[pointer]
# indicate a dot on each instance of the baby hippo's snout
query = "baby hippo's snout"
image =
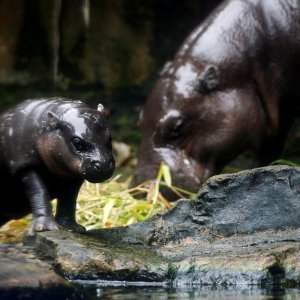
(104, 167)
(98, 171)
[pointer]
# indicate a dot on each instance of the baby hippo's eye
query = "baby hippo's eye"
(79, 145)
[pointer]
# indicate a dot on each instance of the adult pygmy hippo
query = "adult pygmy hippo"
(47, 148)
(232, 86)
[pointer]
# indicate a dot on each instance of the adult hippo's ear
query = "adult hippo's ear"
(53, 121)
(208, 80)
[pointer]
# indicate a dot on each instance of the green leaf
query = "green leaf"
(159, 173)
(284, 162)
(166, 174)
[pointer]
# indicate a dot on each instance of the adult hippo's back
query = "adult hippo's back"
(232, 86)
(48, 147)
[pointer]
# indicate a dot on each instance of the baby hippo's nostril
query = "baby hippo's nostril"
(97, 166)
(103, 167)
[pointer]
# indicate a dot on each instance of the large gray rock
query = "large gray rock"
(245, 202)
(241, 228)
(249, 201)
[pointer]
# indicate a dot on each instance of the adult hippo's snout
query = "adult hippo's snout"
(232, 87)
(185, 172)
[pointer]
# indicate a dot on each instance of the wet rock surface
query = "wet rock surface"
(77, 256)
(22, 273)
(242, 228)
(264, 258)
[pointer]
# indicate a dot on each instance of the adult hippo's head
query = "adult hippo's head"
(196, 120)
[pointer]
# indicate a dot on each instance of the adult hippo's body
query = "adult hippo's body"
(232, 86)
(48, 147)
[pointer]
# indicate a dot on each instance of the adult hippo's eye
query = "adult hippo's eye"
(79, 145)
(178, 129)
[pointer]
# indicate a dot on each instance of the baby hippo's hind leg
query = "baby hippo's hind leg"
(36, 191)
(66, 208)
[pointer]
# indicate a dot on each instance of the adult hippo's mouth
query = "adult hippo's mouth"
(185, 172)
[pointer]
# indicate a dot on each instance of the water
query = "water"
(126, 291)
(117, 290)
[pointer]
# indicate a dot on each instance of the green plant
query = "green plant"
(284, 162)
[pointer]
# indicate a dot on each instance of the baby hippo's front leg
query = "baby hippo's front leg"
(36, 191)
(66, 207)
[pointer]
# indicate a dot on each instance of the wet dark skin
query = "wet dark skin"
(48, 147)
(232, 87)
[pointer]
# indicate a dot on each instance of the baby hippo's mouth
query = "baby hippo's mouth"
(97, 171)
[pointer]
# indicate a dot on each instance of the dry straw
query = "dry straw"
(110, 204)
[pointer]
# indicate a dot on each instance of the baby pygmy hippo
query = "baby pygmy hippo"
(48, 147)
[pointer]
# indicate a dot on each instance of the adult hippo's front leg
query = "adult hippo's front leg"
(39, 198)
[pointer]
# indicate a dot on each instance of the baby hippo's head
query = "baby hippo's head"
(76, 142)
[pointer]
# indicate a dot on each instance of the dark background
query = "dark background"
(117, 47)
(108, 51)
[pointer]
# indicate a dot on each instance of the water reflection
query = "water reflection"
(125, 291)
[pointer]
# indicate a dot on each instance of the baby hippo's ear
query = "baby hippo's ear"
(53, 121)
(101, 108)
(107, 112)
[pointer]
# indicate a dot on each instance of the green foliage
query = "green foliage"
(284, 162)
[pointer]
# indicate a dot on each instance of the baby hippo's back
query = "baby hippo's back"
(19, 129)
